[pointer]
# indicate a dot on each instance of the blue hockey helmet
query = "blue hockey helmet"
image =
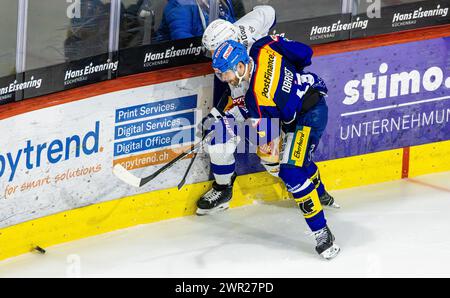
(227, 56)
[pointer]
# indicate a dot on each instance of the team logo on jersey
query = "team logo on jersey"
(309, 204)
(287, 82)
(235, 102)
(228, 51)
(299, 146)
(239, 101)
(243, 35)
(267, 76)
(219, 50)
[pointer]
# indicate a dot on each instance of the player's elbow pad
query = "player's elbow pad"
(269, 14)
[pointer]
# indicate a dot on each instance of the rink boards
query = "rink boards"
(171, 203)
(389, 119)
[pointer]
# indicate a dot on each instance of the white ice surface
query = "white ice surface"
(399, 228)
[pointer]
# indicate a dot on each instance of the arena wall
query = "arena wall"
(389, 112)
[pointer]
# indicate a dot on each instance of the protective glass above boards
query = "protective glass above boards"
(61, 31)
(323, 21)
(8, 36)
(7, 88)
(144, 22)
(388, 16)
(313, 22)
(56, 45)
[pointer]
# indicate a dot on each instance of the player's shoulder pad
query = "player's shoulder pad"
(260, 43)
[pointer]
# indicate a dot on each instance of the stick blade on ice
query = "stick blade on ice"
(124, 175)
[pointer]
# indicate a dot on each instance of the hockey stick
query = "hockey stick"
(220, 105)
(183, 181)
(127, 177)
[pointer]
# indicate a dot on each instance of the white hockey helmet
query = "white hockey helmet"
(218, 32)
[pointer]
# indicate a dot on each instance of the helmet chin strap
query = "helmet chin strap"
(243, 76)
(245, 72)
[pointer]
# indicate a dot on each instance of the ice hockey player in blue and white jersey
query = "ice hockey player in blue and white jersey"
(281, 90)
(250, 28)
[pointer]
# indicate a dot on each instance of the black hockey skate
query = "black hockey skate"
(328, 201)
(325, 244)
(217, 199)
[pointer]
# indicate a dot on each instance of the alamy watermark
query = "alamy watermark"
(74, 9)
(248, 135)
(73, 269)
(373, 9)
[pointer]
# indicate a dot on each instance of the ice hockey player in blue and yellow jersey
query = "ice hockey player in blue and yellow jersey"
(281, 90)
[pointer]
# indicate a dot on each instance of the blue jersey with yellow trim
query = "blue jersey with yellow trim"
(279, 82)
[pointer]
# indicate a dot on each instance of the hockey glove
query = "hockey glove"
(208, 122)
